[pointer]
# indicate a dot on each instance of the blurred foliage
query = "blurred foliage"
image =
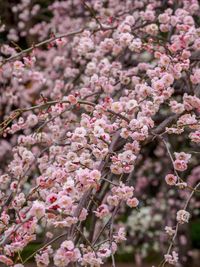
(195, 233)
(29, 250)
(9, 20)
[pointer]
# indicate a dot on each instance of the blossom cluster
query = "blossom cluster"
(103, 89)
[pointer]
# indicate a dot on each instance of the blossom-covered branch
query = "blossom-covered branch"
(100, 130)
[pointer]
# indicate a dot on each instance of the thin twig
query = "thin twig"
(177, 225)
(30, 49)
(46, 245)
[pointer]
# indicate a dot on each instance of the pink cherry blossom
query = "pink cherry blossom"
(180, 165)
(100, 111)
(183, 216)
(171, 179)
(132, 202)
(38, 209)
